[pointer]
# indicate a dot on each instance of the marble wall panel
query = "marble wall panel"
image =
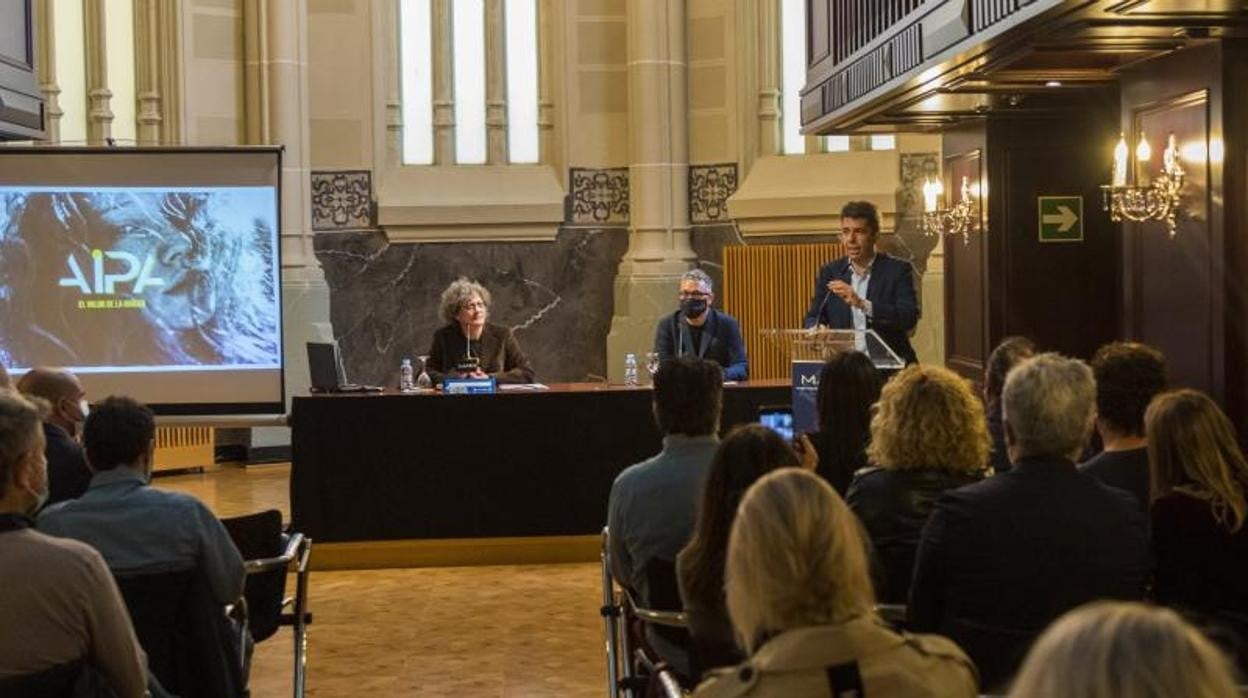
(558, 295)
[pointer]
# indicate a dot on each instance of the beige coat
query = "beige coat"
(835, 660)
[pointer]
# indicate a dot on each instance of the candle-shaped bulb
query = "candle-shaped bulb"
(1142, 150)
(932, 189)
(1120, 162)
(1171, 156)
(966, 189)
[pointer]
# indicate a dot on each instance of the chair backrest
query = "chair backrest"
(258, 537)
(185, 633)
(76, 679)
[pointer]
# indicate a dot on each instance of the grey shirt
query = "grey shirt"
(652, 506)
(60, 604)
(139, 530)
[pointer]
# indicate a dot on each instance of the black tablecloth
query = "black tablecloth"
(467, 466)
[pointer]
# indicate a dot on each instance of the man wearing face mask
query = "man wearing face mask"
(60, 604)
(68, 475)
(697, 329)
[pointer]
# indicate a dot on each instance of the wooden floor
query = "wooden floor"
(457, 631)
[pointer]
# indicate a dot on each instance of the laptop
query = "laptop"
(326, 371)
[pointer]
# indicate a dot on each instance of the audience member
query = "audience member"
(60, 605)
(1001, 559)
(1199, 486)
(800, 600)
(927, 436)
(137, 528)
(1007, 355)
(1116, 649)
(651, 508)
(697, 329)
(68, 475)
(748, 453)
(848, 386)
(1128, 375)
(6, 383)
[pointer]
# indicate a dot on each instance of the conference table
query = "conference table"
(515, 463)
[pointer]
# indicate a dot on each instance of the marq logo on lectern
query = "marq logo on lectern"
(106, 283)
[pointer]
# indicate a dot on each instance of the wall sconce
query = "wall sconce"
(1158, 200)
(959, 220)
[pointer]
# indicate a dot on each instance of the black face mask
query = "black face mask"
(693, 307)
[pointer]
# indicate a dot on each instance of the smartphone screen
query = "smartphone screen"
(778, 419)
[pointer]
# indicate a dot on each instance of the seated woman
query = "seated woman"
(746, 454)
(1008, 354)
(928, 435)
(1199, 532)
(470, 347)
(1109, 649)
(800, 600)
(848, 386)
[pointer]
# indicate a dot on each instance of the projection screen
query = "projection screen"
(154, 273)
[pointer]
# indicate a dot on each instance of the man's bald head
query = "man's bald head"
(50, 384)
(61, 391)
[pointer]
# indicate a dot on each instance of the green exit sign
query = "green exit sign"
(1061, 218)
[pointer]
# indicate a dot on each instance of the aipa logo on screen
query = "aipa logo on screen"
(129, 270)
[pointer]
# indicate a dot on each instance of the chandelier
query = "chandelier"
(962, 219)
(1158, 200)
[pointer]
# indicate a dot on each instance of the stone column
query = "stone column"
(99, 114)
(546, 24)
(443, 84)
(147, 70)
(275, 42)
(495, 83)
(394, 102)
(45, 20)
(659, 248)
(769, 78)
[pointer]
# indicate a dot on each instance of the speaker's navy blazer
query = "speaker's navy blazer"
(721, 342)
(894, 305)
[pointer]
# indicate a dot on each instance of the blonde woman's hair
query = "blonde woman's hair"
(928, 417)
(1111, 649)
(796, 557)
(1192, 448)
(459, 292)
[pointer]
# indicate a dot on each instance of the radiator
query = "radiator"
(178, 448)
(769, 286)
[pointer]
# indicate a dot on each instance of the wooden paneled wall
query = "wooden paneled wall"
(769, 286)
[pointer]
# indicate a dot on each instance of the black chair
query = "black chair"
(269, 554)
(191, 645)
(76, 679)
(629, 667)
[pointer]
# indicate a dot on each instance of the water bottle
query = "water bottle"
(630, 370)
(406, 382)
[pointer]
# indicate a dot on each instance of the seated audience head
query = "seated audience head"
(1192, 446)
(849, 385)
(466, 303)
(688, 394)
(23, 468)
(1048, 405)
(796, 558)
(67, 401)
(121, 432)
(929, 418)
(1008, 354)
(746, 454)
(1128, 375)
(1110, 649)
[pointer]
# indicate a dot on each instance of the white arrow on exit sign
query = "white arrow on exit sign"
(1064, 219)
